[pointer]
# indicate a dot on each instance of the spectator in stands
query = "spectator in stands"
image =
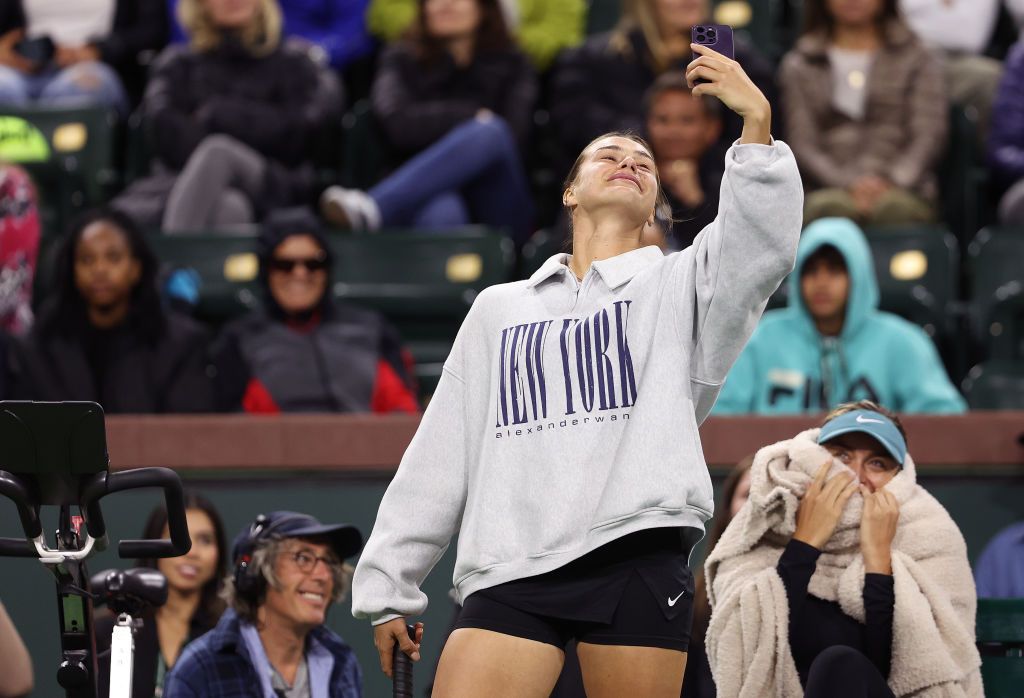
(231, 117)
(866, 113)
(543, 28)
(458, 96)
(289, 570)
(1016, 9)
(19, 246)
(1006, 146)
(832, 344)
(193, 607)
(104, 336)
(93, 41)
(999, 571)
(842, 576)
(599, 86)
(15, 661)
(960, 30)
(683, 130)
(305, 352)
(698, 681)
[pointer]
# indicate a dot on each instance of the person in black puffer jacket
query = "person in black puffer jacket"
(104, 337)
(231, 118)
(305, 352)
(458, 96)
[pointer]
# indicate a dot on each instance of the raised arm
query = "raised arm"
(738, 261)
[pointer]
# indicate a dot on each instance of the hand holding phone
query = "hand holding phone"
(717, 37)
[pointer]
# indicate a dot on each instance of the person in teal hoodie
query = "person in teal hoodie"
(832, 344)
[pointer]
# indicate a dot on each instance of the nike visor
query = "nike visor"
(876, 425)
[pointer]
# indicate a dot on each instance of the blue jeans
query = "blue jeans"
(473, 174)
(84, 84)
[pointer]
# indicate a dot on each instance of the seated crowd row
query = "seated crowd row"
(233, 114)
(112, 333)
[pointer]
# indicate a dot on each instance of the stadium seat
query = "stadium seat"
(1000, 638)
(542, 244)
(366, 155)
(70, 153)
(227, 267)
(602, 15)
(917, 270)
(996, 385)
(424, 283)
(997, 291)
(964, 178)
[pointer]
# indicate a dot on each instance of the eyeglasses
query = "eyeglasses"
(306, 561)
(287, 266)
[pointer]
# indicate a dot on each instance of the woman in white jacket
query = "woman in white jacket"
(561, 444)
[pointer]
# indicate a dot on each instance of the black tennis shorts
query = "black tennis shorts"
(636, 590)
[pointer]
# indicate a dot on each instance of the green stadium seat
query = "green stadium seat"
(539, 248)
(424, 283)
(366, 155)
(70, 153)
(917, 270)
(602, 15)
(227, 267)
(996, 385)
(964, 178)
(996, 265)
(1000, 638)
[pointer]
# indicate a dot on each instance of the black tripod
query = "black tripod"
(55, 454)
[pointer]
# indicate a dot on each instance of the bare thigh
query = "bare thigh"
(478, 662)
(613, 671)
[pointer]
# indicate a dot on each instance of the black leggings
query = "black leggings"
(843, 672)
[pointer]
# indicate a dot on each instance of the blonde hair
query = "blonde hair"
(261, 37)
(640, 14)
(263, 558)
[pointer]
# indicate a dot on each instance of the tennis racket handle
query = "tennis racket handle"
(401, 669)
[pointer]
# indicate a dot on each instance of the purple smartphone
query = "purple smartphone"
(715, 36)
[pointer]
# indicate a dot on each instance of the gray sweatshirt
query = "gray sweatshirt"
(567, 412)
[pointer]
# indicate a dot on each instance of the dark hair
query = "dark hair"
(701, 605)
(491, 35)
(865, 405)
(210, 604)
(826, 253)
(675, 81)
(278, 227)
(66, 313)
(818, 17)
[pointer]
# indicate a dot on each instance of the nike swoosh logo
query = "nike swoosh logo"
(672, 602)
(861, 419)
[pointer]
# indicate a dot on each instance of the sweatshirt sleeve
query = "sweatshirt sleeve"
(922, 384)
(422, 508)
(723, 282)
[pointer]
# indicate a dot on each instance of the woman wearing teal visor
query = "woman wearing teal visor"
(841, 576)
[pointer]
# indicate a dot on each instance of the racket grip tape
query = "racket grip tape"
(401, 669)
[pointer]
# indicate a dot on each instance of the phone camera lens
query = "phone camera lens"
(711, 33)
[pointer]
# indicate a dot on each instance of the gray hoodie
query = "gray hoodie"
(567, 412)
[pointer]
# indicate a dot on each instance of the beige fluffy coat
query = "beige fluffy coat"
(933, 650)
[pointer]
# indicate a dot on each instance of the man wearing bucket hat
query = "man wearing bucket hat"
(271, 642)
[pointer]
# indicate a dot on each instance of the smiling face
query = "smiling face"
(615, 173)
(187, 574)
(862, 454)
(305, 585)
(298, 274)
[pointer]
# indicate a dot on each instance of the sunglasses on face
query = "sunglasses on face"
(287, 266)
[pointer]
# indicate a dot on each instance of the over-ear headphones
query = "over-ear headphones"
(249, 582)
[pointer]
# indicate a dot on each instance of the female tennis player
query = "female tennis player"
(561, 444)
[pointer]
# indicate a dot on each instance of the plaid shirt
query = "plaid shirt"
(218, 665)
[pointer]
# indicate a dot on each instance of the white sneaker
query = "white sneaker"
(349, 208)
